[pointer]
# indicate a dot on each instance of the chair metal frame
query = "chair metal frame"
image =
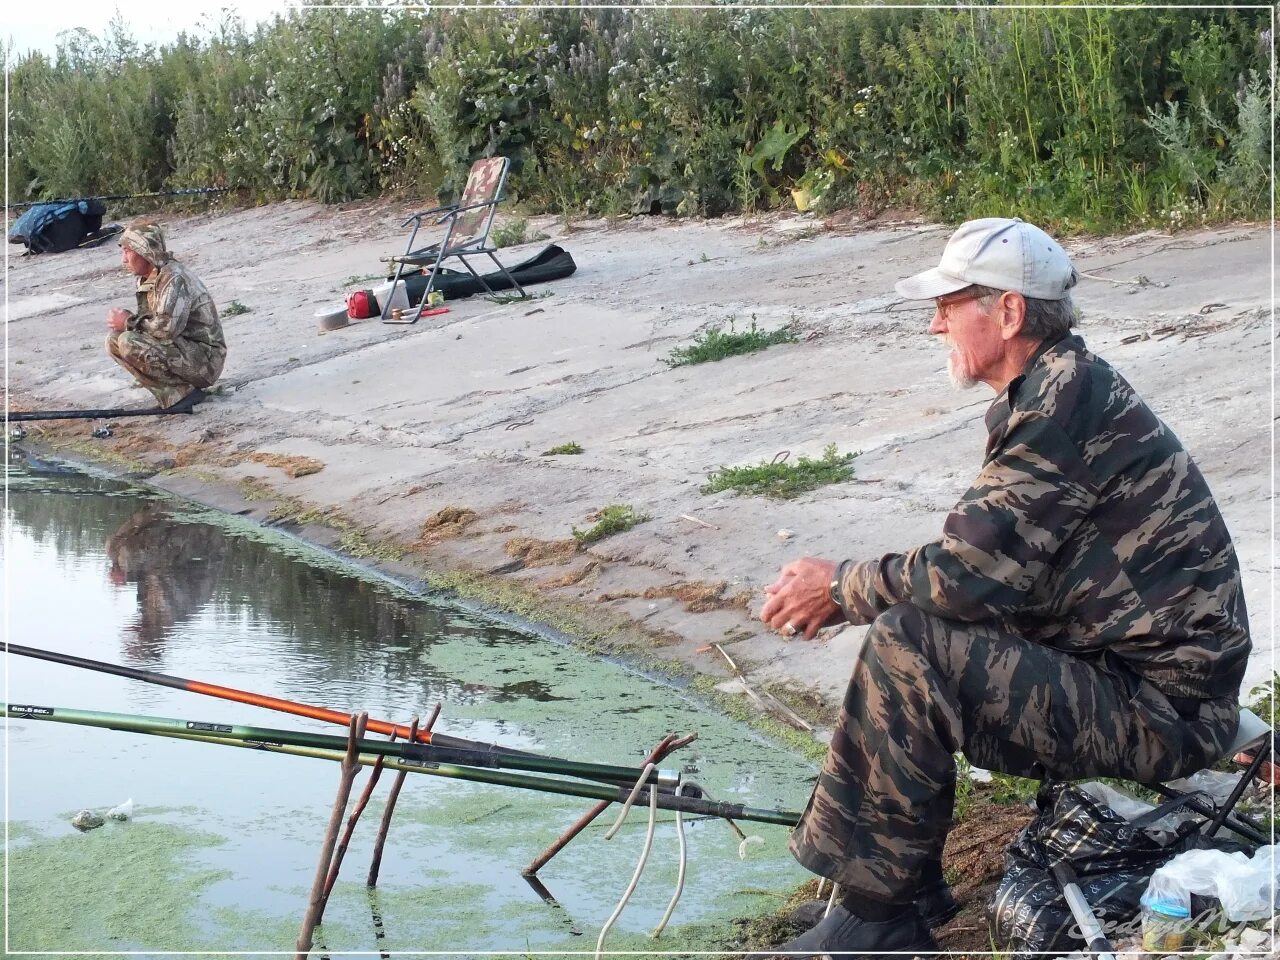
(1253, 734)
(475, 243)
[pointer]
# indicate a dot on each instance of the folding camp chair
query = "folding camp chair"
(467, 226)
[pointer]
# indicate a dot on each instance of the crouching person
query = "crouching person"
(173, 344)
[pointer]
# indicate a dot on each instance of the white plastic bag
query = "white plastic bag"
(122, 811)
(1131, 808)
(1243, 885)
(1215, 783)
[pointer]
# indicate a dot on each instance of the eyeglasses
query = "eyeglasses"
(947, 300)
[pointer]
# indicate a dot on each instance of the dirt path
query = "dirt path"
(426, 439)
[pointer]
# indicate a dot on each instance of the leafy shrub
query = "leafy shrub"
(513, 233)
(565, 449)
(1264, 699)
(1075, 117)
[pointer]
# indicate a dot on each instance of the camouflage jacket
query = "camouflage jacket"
(1089, 529)
(173, 304)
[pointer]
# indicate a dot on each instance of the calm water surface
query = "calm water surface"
(224, 842)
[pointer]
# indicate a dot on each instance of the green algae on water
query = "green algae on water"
(125, 887)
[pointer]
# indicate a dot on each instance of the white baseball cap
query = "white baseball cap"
(999, 253)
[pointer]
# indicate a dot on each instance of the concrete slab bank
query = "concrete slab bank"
(426, 441)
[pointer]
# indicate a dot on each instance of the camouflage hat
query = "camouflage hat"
(145, 238)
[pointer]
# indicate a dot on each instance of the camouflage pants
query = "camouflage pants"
(924, 688)
(168, 369)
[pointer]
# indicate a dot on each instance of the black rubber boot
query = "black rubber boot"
(936, 903)
(843, 934)
(187, 403)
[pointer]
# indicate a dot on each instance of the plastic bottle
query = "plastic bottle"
(1165, 922)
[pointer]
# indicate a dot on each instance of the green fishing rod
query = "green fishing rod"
(695, 805)
(409, 752)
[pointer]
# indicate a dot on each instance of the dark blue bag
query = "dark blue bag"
(55, 227)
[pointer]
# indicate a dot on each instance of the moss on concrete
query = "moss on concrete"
(99, 452)
(583, 622)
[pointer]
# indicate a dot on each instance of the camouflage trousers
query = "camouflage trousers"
(925, 688)
(169, 369)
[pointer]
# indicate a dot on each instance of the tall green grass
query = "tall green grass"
(1078, 118)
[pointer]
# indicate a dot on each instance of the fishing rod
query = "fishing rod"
(253, 699)
(218, 735)
(26, 416)
(412, 752)
(185, 191)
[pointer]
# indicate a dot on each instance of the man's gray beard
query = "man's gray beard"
(960, 378)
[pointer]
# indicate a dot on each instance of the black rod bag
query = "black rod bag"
(552, 263)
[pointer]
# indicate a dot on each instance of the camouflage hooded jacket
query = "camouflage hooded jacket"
(1089, 529)
(173, 304)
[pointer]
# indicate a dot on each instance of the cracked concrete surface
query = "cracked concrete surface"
(456, 410)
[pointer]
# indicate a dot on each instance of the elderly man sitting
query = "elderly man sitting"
(173, 344)
(1080, 615)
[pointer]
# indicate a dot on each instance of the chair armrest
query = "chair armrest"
(454, 211)
(417, 258)
(426, 213)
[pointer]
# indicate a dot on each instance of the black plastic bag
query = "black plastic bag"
(1113, 857)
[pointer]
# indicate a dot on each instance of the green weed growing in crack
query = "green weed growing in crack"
(502, 299)
(783, 480)
(615, 518)
(723, 341)
(565, 449)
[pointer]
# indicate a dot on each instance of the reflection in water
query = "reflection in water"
(174, 567)
(186, 567)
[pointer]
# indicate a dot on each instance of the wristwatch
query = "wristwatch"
(835, 591)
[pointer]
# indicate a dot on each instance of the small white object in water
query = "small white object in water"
(742, 847)
(121, 812)
(86, 820)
